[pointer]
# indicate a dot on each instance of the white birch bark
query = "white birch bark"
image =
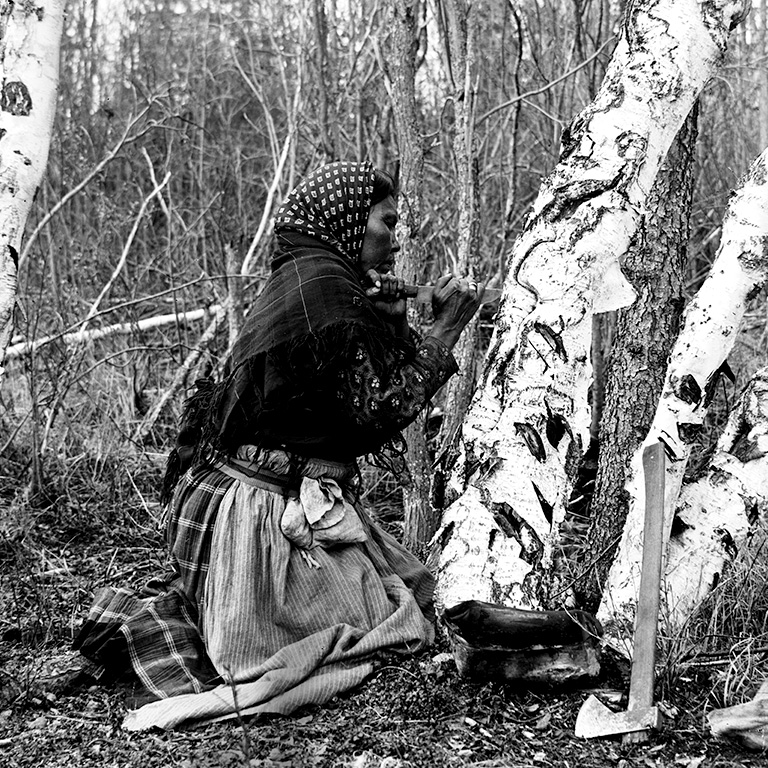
(30, 38)
(711, 322)
(746, 724)
(714, 514)
(523, 434)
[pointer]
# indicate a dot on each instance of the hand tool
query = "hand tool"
(594, 718)
(423, 294)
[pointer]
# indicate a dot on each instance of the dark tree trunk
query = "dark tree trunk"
(403, 46)
(642, 340)
(457, 32)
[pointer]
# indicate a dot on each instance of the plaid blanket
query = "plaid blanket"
(246, 622)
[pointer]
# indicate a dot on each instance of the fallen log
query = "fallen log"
(24, 348)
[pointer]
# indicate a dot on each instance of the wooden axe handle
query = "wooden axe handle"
(643, 677)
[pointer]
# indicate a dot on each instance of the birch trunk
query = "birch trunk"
(400, 68)
(710, 325)
(655, 264)
(30, 38)
(523, 436)
(714, 515)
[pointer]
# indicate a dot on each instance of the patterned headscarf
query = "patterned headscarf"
(332, 205)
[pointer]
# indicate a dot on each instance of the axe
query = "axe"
(594, 718)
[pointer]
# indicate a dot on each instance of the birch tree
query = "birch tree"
(715, 515)
(710, 326)
(30, 37)
(523, 436)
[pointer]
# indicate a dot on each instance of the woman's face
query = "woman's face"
(380, 243)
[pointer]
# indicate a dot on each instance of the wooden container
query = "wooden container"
(491, 642)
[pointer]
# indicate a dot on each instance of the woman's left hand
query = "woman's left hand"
(386, 293)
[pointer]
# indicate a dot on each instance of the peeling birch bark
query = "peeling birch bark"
(746, 724)
(30, 38)
(715, 514)
(710, 324)
(523, 435)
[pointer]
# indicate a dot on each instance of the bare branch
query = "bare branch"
(126, 249)
(122, 142)
(548, 86)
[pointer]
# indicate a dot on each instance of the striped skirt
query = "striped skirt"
(247, 621)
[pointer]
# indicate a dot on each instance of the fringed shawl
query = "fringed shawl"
(303, 325)
(310, 313)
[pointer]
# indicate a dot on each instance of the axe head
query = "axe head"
(595, 720)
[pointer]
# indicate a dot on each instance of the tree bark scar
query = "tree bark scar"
(553, 339)
(15, 99)
(24, 158)
(546, 508)
(713, 17)
(446, 534)
(688, 390)
(631, 141)
(712, 381)
(668, 450)
(726, 539)
(614, 97)
(532, 440)
(514, 527)
(557, 427)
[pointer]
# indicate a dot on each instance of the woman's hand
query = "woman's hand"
(454, 301)
(386, 293)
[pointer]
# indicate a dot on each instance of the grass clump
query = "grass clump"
(724, 646)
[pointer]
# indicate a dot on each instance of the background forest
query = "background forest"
(180, 127)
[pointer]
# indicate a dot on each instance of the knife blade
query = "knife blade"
(423, 294)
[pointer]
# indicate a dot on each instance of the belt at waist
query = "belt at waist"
(257, 477)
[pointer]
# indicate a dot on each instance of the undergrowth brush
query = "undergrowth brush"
(724, 645)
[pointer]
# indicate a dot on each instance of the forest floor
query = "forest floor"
(413, 712)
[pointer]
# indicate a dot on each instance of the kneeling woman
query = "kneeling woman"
(282, 590)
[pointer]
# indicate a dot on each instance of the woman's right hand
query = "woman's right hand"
(454, 301)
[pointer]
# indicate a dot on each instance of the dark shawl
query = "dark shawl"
(312, 310)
